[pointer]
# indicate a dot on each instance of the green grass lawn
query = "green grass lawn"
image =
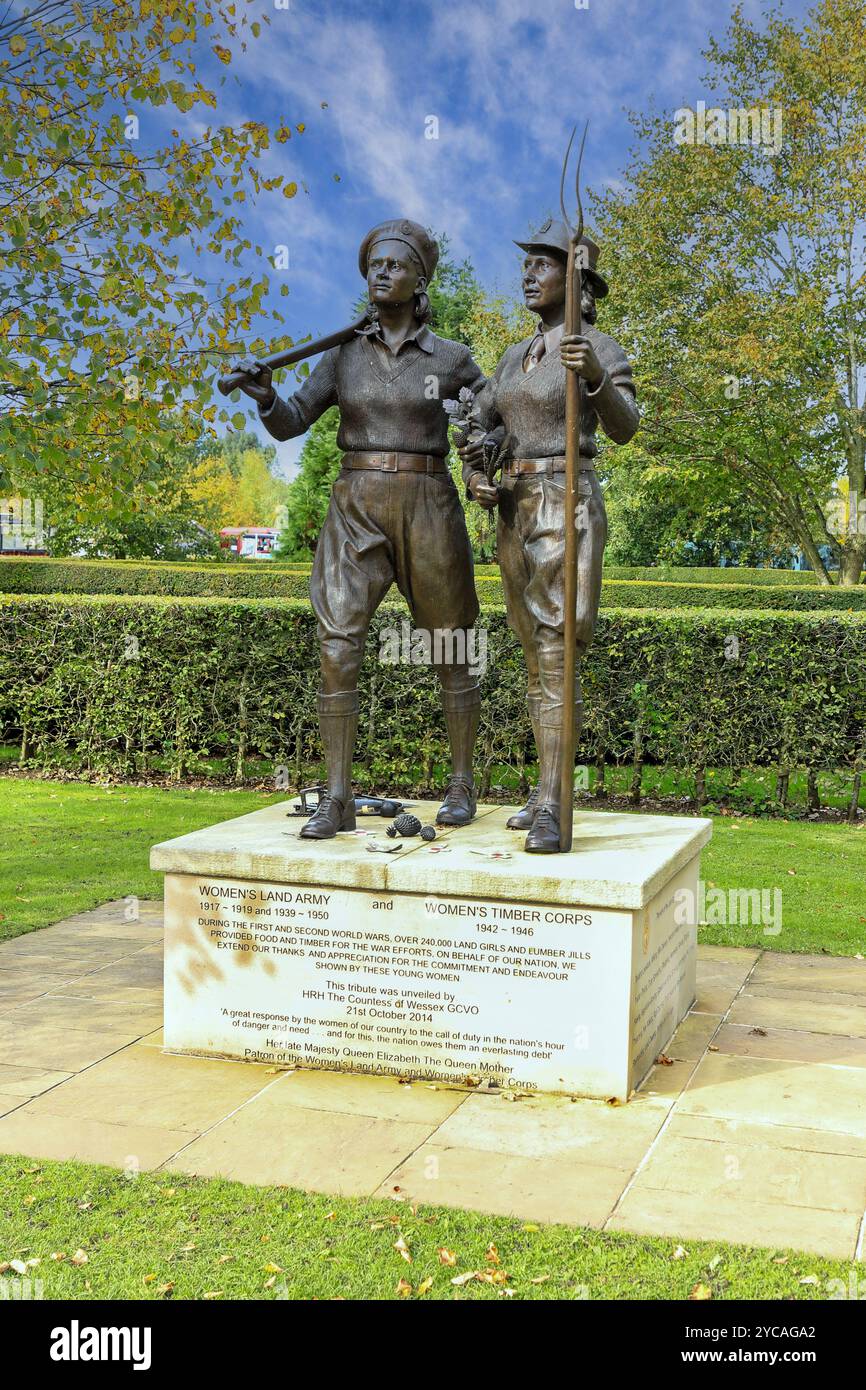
(157, 1236)
(71, 845)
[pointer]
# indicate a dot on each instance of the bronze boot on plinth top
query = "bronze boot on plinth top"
(522, 820)
(462, 708)
(338, 725)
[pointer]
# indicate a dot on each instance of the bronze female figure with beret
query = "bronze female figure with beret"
(523, 408)
(394, 514)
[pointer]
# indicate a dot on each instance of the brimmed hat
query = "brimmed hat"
(401, 229)
(555, 236)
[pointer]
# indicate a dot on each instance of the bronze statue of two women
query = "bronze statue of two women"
(395, 515)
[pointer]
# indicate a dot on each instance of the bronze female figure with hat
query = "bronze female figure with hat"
(394, 515)
(523, 406)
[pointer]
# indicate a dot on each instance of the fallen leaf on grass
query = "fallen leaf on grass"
(700, 1293)
(404, 1288)
(79, 1258)
(224, 1259)
(492, 1254)
(425, 1286)
(403, 1250)
(540, 1279)
(679, 1253)
(810, 1279)
(446, 1257)
(460, 1279)
(212, 1293)
(273, 1269)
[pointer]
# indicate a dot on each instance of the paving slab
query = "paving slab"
(272, 1140)
(751, 1128)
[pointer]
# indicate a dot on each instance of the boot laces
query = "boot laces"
(459, 787)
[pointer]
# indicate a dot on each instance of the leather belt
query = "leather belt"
(396, 462)
(554, 463)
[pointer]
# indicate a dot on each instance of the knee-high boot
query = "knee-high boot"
(461, 705)
(338, 725)
(543, 837)
(522, 820)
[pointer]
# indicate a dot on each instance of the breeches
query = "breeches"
(381, 529)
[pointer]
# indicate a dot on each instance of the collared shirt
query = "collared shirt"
(389, 401)
(551, 338)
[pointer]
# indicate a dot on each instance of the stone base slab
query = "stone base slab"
(562, 973)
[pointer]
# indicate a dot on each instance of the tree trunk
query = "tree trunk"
(782, 782)
(813, 796)
(701, 787)
(851, 567)
(600, 789)
(855, 798)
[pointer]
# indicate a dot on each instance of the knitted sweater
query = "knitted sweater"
(531, 405)
(387, 403)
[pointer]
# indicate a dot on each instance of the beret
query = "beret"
(401, 229)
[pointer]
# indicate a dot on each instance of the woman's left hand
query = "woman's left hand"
(578, 355)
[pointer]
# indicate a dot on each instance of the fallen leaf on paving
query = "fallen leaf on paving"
(612, 1100)
(663, 1060)
(711, 1047)
(700, 1293)
(446, 1257)
(404, 1288)
(759, 1032)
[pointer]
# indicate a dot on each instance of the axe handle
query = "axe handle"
(289, 356)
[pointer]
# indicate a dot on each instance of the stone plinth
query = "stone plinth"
(562, 973)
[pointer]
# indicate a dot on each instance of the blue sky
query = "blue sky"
(506, 80)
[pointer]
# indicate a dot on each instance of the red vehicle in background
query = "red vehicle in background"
(250, 542)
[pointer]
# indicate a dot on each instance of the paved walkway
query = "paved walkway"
(755, 1131)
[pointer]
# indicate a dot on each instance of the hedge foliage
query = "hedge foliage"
(262, 579)
(109, 683)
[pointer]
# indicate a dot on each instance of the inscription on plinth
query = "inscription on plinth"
(543, 997)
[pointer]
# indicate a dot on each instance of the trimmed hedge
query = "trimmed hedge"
(266, 580)
(109, 683)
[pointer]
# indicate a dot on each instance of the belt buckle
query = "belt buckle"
(389, 463)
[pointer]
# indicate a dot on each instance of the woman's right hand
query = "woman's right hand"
(258, 381)
(481, 491)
